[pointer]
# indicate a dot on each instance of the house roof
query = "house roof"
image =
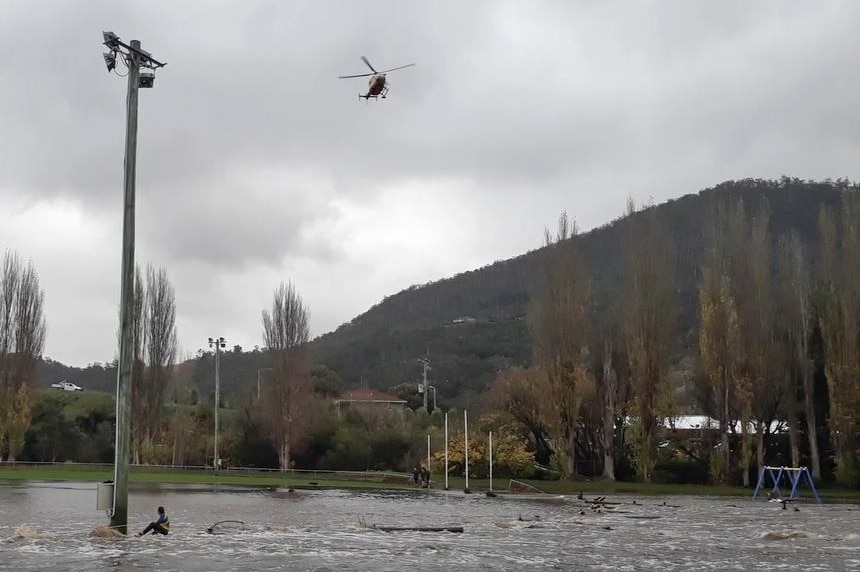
(365, 395)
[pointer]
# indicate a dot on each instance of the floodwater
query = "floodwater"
(47, 526)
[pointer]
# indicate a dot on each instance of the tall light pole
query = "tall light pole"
(134, 59)
(491, 461)
(446, 451)
(466, 438)
(219, 344)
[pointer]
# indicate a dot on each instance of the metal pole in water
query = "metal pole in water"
(446, 451)
(491, 461)
(119, 518)
(134, 58)
(466, 436)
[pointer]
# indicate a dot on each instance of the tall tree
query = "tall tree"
(154, 349)
(719, 349)
(22, 339)
(285, 332)
(559, 324)
(840, 327)
(611, 395)
(794, 319)
(762, 366)
(647, 315)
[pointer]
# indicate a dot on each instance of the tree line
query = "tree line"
(292, 420)
(774, 314)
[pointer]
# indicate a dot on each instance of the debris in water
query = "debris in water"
(773, 535)
(419, 528)
(29, 532)
(215, 530)
(106, 532)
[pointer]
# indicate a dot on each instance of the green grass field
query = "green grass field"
(380, 481)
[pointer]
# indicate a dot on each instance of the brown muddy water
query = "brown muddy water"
(47, 527)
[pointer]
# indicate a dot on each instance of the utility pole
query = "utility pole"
(218, 343)
(134, 58)
(425, 362)
(258, 380)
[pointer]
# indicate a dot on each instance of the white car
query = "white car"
(67, 386)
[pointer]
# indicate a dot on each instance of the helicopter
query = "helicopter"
(376, 86)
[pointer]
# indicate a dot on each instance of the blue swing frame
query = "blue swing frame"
(794, 476)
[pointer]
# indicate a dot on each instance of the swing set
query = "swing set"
(785, 476)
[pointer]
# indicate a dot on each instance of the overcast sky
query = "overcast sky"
(256, 164)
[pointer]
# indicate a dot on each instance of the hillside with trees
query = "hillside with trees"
(475, 324)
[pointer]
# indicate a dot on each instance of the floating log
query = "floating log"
(419, 528)
(642, 517)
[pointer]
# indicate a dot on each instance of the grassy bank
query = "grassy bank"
(382, 481)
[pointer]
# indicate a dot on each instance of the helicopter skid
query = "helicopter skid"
(366, 96)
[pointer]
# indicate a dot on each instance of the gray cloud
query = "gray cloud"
(257, 164)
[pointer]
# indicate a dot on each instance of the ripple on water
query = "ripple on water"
(322, 530)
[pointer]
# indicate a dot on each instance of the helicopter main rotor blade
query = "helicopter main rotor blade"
(400, 68)
(359, 75)
(364, 59)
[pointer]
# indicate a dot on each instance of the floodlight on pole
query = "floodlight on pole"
(134, 58)
(110, 60)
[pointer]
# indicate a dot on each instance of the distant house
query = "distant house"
(365, 397)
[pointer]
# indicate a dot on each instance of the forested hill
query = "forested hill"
(474, 324)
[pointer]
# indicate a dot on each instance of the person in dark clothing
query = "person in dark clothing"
(416, 475)
(425, 477)
(160, 526)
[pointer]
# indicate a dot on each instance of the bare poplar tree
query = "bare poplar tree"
(22, 339)
(647, 315)
(610, 389)
(762, 367)
(840, 327)
(285, 331)
(138, 367)
(719, 348)
(160, 334)
(154, 351)
(559, 324)
(794, 323)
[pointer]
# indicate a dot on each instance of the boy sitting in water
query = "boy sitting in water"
(160, 526)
